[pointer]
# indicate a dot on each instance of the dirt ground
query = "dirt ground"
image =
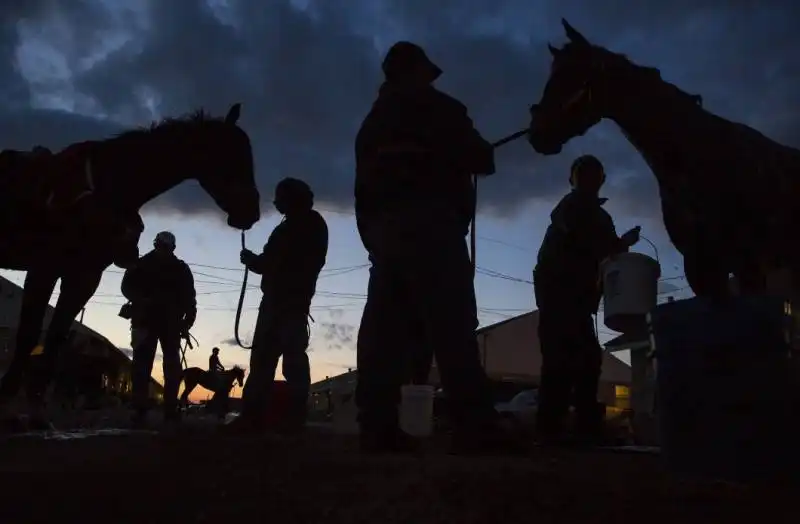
(199, 475)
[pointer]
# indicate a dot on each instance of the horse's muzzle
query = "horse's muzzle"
(242, 222)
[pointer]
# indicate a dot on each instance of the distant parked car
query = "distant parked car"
(521, 409)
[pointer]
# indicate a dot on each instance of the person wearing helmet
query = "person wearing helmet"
(289, 267)
(416, 152)
(163, 308)
(215, 367)
(566, 283)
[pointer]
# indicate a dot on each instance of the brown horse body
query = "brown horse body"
(70, 215)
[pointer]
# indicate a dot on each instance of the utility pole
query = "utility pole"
(83, 311)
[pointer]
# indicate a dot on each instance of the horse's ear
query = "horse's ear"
(573, 34)
(233, 114)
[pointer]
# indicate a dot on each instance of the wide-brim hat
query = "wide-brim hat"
(403, 58)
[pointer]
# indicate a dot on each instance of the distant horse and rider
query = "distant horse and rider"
(220, 383)
(71, 214)
(728, 193)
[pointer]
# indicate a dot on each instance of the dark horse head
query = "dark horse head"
(238, 373)
(214, 151)
(585, 85)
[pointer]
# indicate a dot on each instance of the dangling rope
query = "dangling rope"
(187, 345)
(241, 304)
(473, 237)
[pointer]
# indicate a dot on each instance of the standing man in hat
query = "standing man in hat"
(566, 282)
(416, 152)
(163, 307)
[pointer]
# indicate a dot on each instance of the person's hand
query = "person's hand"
(631, 237)
(246, 256)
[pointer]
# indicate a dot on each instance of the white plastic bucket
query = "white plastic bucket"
(630, 290)
(416, 410)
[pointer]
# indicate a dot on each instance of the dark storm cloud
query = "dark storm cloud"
(307, 77)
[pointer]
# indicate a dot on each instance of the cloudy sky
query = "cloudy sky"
(306, 72)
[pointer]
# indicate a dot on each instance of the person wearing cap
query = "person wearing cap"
(289, 267)
(416, 152)
(566, 283)
(215, 367)
(163, 308)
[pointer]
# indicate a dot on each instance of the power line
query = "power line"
(487, 239)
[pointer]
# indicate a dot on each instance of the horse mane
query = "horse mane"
(185, 123)
(612, 59)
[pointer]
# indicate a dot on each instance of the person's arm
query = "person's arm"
(464, 140)
(132, 286)
(309, 246)
(304, 249)
(189, 298)
(259, 264)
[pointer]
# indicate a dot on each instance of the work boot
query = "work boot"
(390, 439)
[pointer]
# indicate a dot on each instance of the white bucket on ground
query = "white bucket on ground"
(416, 410)
(630, 290)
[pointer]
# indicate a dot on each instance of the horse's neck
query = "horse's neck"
(664, 127)
(136, 171)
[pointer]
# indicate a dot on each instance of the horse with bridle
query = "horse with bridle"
(219, 383)
(728, 193)
(71, 214)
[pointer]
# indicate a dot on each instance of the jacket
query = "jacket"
(580, 236)
(292, 260)
(160, 288)
(417, 145)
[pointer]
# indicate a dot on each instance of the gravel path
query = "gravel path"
(202, 476)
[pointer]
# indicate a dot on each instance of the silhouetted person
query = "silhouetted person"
(290, 264)
(215, 367)
(567, 286)
(416, 152)
(160, 288)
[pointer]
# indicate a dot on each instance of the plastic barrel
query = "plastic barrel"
(727, 389)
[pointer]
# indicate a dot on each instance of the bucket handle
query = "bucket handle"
(655, 249)
(641, 237)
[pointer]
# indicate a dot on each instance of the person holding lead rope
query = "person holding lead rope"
(289, 267)
(416, 153)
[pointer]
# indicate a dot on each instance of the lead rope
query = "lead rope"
(241, 305)
(188, 345)
(473, 237)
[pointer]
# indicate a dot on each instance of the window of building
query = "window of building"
(623, 397)
(621, 392)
